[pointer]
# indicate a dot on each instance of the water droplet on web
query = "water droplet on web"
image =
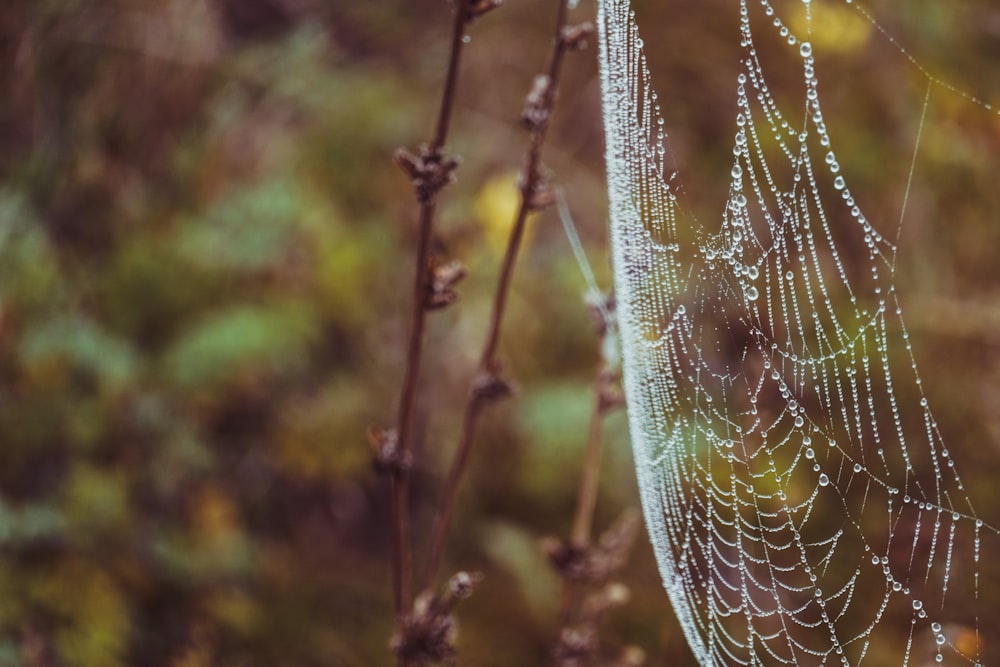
(917, 605)
(780, 268)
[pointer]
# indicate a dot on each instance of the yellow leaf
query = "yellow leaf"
(835, 28)
(495, 208)
(216, 518)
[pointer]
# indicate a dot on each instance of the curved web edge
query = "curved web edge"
(628, 121)
(763, 374)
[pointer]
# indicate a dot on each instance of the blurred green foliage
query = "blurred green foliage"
(205, 260)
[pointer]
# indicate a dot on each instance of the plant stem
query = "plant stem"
(400, 476)
(586, 498)
(487, 370)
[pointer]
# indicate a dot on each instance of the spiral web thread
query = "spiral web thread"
(801, 502)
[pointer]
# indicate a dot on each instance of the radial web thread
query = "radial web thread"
(801, 501)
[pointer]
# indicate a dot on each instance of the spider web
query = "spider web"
(802, 504)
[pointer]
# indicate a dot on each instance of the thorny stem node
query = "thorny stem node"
(430, 171)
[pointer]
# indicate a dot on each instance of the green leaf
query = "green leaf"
(82, 345)
(29, 276)
(239, 342)
(251, 229)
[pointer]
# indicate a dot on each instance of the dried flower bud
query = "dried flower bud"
(610, 396)
(575, 646)
(617, 594)
(429, 172)
(568, 559)
(631, 656)
(443, 279)
(478, 8)
(388, 454)
(574, 37)
(491, 387)
(536, 104)
(426, 636)
(542, 196)
(461, 585)
(407, 161)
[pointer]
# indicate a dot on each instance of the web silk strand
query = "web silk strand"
(802, 503)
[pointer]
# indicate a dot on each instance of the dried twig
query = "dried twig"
(606, 398)
(430, 171)
(488, 385)
(582, 565)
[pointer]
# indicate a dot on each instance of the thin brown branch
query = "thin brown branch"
(586, 502)
(586, 498)
(535, 194)
(429, 172)
(579, 562)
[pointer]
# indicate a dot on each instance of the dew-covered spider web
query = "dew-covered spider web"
(802, 503)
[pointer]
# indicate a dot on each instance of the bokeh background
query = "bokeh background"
(205, 260)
